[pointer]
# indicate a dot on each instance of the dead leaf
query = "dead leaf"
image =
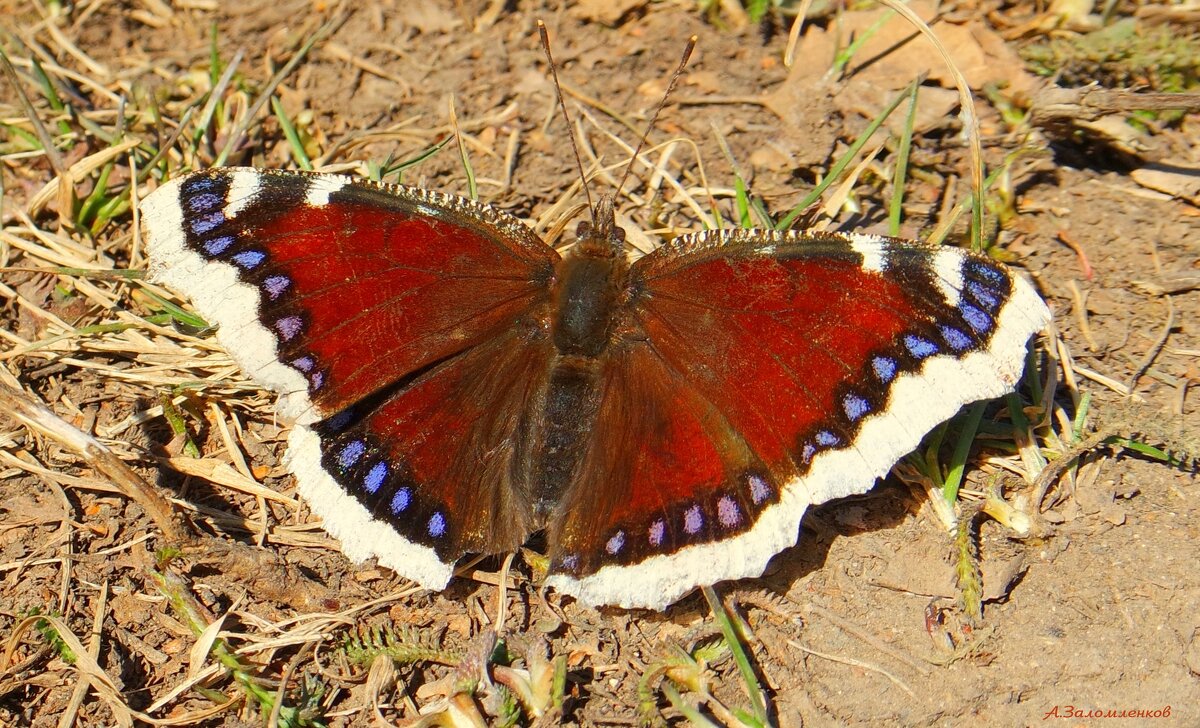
(896, 53)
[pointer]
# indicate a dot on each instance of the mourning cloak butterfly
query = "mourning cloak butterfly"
(457, 385)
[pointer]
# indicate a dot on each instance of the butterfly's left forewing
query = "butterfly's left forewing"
(327, 288)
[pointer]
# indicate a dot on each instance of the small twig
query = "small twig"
(1074, 245)
(1153, 353)
(1053, 105)
(855, 663)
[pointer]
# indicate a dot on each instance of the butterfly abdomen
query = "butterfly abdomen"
(588, 305)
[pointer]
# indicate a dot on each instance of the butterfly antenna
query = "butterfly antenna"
(567, 117)
(687, 54)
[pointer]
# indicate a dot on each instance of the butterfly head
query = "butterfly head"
(601, 236)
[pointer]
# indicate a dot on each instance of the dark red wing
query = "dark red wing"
(328, 288)
(767, 372)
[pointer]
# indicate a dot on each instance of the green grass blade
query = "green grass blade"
(742, 202)
(1081, 413)
(943, 229)
(215, 68)
(962, 447)
(89, 207)
(756, 10)
(178, 425)
(185, 318)
(686, 709)
(289, 131)
(843, 162)
(51, 94)
(472, 187)
(896, 209)
(398, 168)
(758, 701)
(113, 207)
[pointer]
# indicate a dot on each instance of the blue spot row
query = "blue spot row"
(350, 453)
(377, 476)
(205, 223)
(919, 346)
(218, 245)
(729, 515)
(956, 339)
(885, 368)
(856, 406)
(204, 202)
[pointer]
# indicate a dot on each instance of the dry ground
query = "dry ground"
(1095, 611)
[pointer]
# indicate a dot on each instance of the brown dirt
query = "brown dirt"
(1097, 612)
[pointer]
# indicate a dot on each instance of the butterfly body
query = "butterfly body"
(458, 385)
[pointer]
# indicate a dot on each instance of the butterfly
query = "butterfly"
(457, 385)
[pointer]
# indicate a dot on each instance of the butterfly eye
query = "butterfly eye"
(618, 235)
(584, 230)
